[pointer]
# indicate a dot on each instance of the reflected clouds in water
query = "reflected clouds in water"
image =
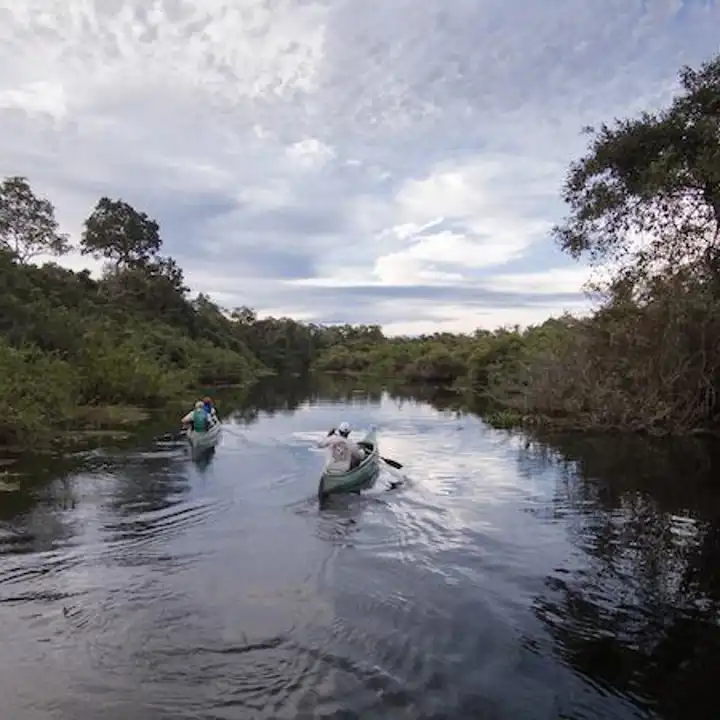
(511, 577)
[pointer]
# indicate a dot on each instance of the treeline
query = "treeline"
(645, 198)
(71, 345)
(644, 202)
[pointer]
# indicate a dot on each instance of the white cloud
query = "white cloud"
(557, 280)
(310, 153)
(467, 319)
(395, 162)
(36, 98)
(479, 196)
(420, 262)
(479, 189)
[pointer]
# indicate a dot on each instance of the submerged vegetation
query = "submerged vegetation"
(645, 201)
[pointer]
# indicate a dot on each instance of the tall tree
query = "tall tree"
(115, 230)
(647, 194)
(27, 223)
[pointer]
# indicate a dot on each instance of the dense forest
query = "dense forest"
(77, 352)
(644, 200)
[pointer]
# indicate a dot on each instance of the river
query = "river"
(507, 577)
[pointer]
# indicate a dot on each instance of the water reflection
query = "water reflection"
(278, 394)
(204, 459)
(640, 614)
(512, 576)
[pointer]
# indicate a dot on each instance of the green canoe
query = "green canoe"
(360, 477)
(200, 441)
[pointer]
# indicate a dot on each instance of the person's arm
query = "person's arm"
(328, 439)
(188, 418)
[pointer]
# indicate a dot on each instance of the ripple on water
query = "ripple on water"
(208, 666)
(481, 588)
(17, 571)
(156, 526)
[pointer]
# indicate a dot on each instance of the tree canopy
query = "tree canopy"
(28, 227)
(647, 193)
(117, 231)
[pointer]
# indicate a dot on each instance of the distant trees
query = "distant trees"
(28, 227)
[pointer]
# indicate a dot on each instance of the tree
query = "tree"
(27, 223)
(244, 315)
(117, 231)
(153, 290)
(168, 272)
(655, 180)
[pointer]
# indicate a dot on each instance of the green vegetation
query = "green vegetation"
(645, 198)
(76, 352)
(645, 202)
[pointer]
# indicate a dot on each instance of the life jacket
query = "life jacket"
(200, 420)
(340, 450)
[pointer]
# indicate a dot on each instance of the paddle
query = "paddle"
(391, 462)
(235, 433)
(388, 461)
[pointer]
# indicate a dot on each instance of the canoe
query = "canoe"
(358, 478)
(200, 441)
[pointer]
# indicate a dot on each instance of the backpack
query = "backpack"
(200, 421)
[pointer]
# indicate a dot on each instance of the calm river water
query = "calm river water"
(506, 578)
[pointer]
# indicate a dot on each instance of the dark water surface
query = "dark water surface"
(507, 578)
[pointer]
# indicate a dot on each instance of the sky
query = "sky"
(397, 162)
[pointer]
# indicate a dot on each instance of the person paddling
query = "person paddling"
(345, 454)
(210, 410)
(198, 419)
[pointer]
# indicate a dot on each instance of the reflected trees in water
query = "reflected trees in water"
(642, 616)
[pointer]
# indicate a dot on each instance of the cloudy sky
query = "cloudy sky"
(381, 161)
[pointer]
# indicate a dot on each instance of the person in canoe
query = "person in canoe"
(198, 418)
(210, 410)
(345, 453)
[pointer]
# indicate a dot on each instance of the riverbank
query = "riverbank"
(511, 412)
(88, 424)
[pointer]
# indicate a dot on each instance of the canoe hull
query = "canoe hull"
(200, 441)
(359, 478)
